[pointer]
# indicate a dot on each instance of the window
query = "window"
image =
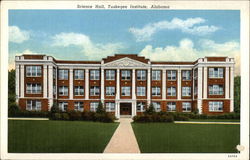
(110, 74)
(94, 74)
(215, 72)
(156, 91)
(186, 91)
(126, 75)
(186, 106)
(54, 73)
(110, 91)
(171, 75)
(156, 75)
(79, 91)
(63, 91)
(63, 74)
(186, 75)
(33, 71)
(215, 106)
(171, 106)
(141, 75)
(93, 106)
(63, 106)
(94, 91)
(216, 90)
(171, 91)
(141, 91)
(195, 73)
(110, 106)
(33, 88)
(140, 107)
(33, 105)
(54, 89)
(157, 106)
(78, 106)
(79, 74)
(125, 91)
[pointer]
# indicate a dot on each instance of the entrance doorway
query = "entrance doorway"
(125, 108)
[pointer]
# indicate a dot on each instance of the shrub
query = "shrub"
(57, 116)
(150, 110)
(106, 117)
(157, 117)
(75, 115)
(88, 116)
(65, 116)
(13, 109)
(100, 109)
(55, 108)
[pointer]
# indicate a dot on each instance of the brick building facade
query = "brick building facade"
(126, 84)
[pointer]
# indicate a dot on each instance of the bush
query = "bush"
(157, 117)
(88, 116)
(100, 109)
(13, 109)
(75, 115)
(57, 116)
(107, 117)
(65, 116)
(150, 110)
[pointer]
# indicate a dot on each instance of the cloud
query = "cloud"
(16, 35)
(186, 51)
(186, 26)
(92, 51)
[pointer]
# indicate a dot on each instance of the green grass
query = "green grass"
(186, 138)
(58, 136)
(215, 120)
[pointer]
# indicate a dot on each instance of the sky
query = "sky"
(161, 35)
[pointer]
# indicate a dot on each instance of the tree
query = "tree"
(12, 81)
(150, 109)
(237, 94)
(100, 109)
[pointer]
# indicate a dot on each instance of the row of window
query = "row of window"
(214, 106)
(35, 88)
(36, 71)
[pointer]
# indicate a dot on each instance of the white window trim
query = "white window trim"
(96, 91)
(155, 91)
(61, 106)
(141, 91)
(77, 106)
(77, 89)
(185, 74)
(110, 106)
(171, 106)
(110, 89)
(37, 107)
(29, 69)
(218, 75)
(64, 90)
(126, 90)
(77, 74)
(171, 74)
(186, 91)
(172, 89)
(214, 105)
(142, 106)
(215, 89)
(33, 88)
(156, 75)
(185, 106)
(126, 74)
(95, 74)
(63, 74)
(157, 106)
(141, 75)
(110, 75)
(93, 106)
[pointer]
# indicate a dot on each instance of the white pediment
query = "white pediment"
(125, 62)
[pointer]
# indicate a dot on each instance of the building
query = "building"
(126, 84)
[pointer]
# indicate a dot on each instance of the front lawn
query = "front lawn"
(186, 138)
(58, 136)
(215, 120)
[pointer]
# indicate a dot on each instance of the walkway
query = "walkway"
(123, 140)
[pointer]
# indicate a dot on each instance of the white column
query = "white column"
(71, 83)
(117, 109)
(232, 89)
(227, 83)
(22, 82)
(179, 84)
(133, 108)
(205, 83)
(149, 86)
(164, 84)
(118, 84)
(17, 83)
(102, 84)
(86, 84)
(133, 85)
(45, 80)
(199, 92)
(50, 78)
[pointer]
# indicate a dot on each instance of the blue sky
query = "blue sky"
(174, 35)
